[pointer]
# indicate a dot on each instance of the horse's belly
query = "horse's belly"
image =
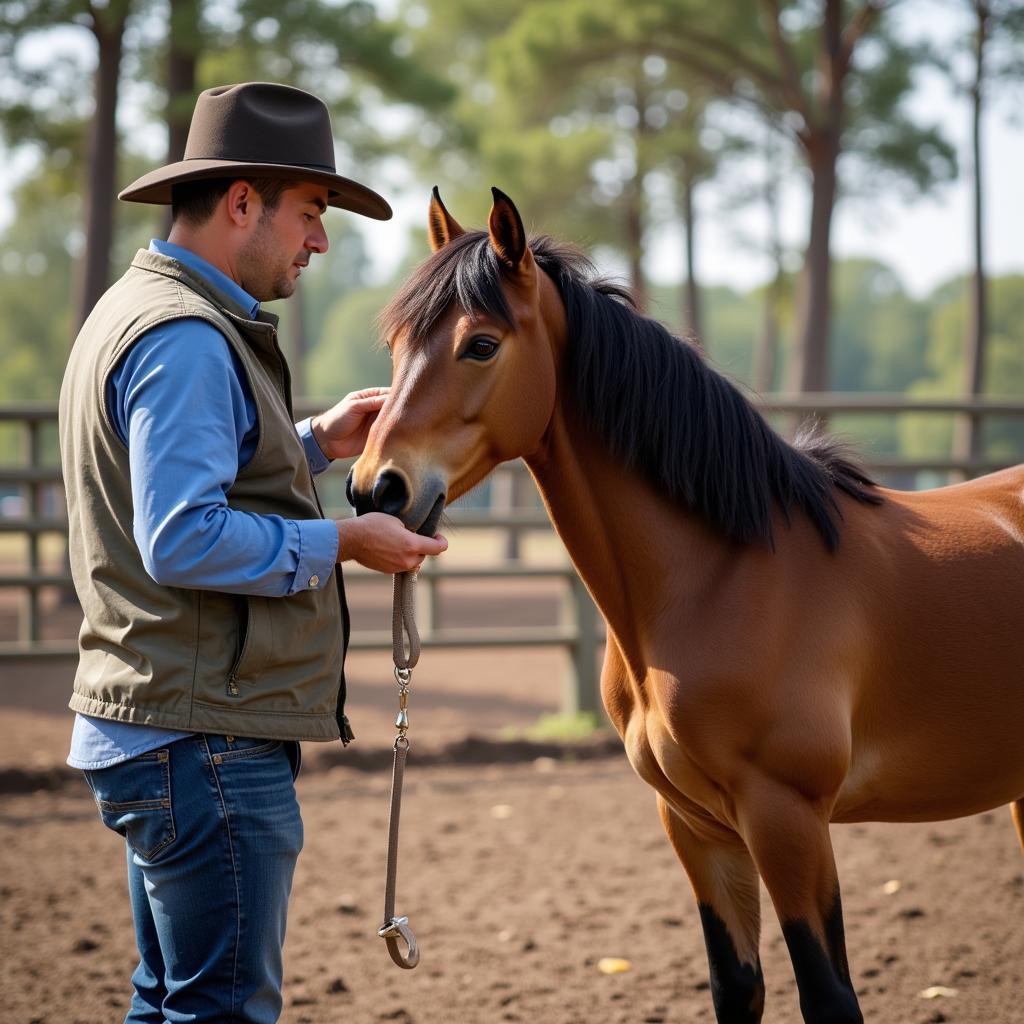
(928, 784)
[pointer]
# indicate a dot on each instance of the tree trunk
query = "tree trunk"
(182, 47)
(808, 370)
(766, 355)
(635, 245)
(94, 268)
(692, 314)
(634, 227)
(108, 27)
(766, 352)
(968, 441)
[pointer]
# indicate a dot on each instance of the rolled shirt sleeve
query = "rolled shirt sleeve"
(181, 402)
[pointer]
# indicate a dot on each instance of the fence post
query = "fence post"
(426, 605)
(968, 442)
(504, 498)
(581, 691)
(30, 630)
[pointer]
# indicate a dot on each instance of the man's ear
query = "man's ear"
(243, 202)
(442, 227)
(505, 227)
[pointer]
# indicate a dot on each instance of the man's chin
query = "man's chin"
(281, 289)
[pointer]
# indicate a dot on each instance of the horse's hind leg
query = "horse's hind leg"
(1017, 810)
(726, 885)
(788, 836)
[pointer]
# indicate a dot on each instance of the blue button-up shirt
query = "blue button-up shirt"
(181, 402)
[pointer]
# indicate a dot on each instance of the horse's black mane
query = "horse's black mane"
(652, 396)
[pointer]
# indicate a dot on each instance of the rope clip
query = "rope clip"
(398, 927)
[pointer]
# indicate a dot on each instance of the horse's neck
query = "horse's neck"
(642, 557)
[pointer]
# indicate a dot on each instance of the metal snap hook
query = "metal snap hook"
(398, 927)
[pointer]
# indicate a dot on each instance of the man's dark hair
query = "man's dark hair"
(194, 201)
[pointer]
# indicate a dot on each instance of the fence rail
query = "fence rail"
(36, 512)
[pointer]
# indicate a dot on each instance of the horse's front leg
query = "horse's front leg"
(726, 885)
(788, 836)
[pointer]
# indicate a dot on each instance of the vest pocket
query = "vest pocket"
(134, 800)
(256, 631)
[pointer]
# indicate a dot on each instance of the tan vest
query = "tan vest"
(192, 659)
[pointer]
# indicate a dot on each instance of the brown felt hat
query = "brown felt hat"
(264, 130)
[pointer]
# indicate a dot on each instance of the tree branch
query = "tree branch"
(720, 79)
(793, 92)
(754, 68)
(860, 24)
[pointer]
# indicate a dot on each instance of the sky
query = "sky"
(925, 241)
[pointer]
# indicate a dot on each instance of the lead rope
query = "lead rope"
(403, 625)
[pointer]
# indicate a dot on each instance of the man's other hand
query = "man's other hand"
(381, 542)
(342, 431)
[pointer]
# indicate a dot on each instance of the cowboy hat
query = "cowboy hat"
(265, 130)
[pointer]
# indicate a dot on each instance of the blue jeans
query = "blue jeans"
(213, 831)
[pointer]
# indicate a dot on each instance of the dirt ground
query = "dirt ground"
(515, 907)
(518, 878)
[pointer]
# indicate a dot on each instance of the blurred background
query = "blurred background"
(825, 194)
(713, 153)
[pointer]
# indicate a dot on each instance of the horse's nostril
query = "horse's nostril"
(361, 501)
(390, 494)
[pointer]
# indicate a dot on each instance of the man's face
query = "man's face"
(282, 241)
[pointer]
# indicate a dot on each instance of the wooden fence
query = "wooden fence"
(32, 508)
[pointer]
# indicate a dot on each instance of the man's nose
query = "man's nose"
(317, 240)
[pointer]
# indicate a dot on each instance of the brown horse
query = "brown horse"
(788, 644)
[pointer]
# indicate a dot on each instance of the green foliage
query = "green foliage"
(1004, 372)
(584, 89)
(348, 356)
(36, 279)
(732, 319)
(884, 141)
(344, 52)
(880, 335)
(558, 727)
(886, 341)
(590, 113)
(45, 107)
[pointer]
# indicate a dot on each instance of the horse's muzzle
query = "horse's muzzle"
(392, 495)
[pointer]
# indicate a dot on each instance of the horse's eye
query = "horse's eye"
(481, 349)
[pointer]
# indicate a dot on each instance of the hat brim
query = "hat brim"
(343, 193)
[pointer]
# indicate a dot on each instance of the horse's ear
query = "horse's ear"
(442, 227)
(505, 227)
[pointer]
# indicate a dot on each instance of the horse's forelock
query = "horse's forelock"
(465, 272)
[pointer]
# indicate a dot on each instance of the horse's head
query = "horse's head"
(474, 337)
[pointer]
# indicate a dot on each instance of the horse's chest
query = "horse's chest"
(672, 761)
(663, 763)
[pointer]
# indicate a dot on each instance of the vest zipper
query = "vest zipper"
(244, 626)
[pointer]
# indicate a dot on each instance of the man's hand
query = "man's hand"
(342, 430)
(381, 542)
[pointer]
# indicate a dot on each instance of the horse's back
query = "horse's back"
(994, 498)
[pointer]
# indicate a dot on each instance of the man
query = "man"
(215, 621)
